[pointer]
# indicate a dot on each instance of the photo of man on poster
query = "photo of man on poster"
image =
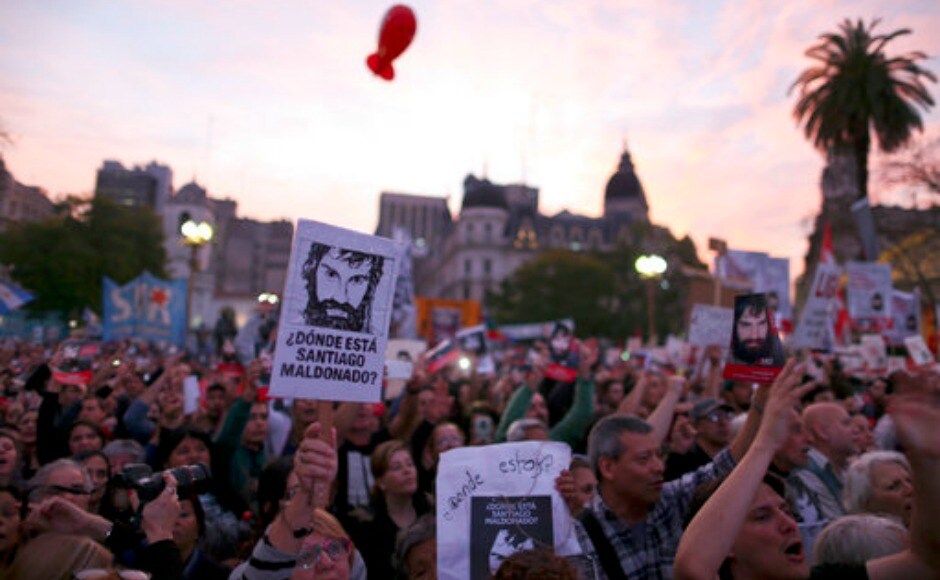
(341, 286)
(754, 339)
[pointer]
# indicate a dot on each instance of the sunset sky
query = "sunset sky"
(270, 103)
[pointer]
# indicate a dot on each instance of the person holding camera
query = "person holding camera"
(152, 545)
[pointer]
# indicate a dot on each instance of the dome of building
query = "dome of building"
(624, 184)
(192, 192)
(482, 193)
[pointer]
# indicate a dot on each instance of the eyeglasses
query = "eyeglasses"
(716, 416)
(61, 489)
(95, 573)
(311, 554)
(450, 441)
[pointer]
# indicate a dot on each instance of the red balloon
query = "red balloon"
(397, 30)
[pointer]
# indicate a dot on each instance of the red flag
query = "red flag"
(827, 255)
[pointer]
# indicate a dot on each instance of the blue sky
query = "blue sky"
(270, 103)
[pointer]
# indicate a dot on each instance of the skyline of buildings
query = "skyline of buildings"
(498, 228)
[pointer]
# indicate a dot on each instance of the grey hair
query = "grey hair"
(858, 477)
(125, 447)
(422, 530)
(520, 427)
(858, 538)
(604, 440)
(39, 480)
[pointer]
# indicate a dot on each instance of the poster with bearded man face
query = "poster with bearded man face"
(333, 331)
(756, 351)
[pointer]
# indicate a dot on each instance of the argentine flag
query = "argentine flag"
(12, 297)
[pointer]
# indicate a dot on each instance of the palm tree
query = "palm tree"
(856, 87)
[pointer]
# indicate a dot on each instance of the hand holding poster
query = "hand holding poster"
(333, 329)
(756, 352)
(495, 500)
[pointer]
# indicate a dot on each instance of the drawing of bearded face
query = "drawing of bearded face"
(341, 286)
(507, 543)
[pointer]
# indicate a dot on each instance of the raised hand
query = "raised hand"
(780, 409)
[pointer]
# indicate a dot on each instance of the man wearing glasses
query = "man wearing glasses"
(712, 422)
(65, 478)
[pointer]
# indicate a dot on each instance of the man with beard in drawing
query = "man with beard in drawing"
(754, 341)
(341, 286)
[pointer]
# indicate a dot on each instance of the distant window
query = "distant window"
(468, 266)
(469, 232)
(487, 231)
(487, 266)
(466, 291)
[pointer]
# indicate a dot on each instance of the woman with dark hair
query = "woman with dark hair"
(396, 504)
(27, 428)
(10, 463)
(221, 505)
(11, 510)
(99, 468)
(85, 436)
(188, 532)
(442, 437)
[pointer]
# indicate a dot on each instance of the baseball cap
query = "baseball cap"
(704, 407)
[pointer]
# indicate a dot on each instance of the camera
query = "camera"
(149, 485)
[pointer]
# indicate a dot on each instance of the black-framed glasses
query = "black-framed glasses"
(64, 489)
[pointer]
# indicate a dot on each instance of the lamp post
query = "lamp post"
(195, 235)
(650, 267)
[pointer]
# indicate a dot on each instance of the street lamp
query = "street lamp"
(650, 268)
(195, 235)
(268, 298)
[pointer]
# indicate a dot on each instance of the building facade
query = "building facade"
(245, 257)
(426, 219)
(500, 227)
(140, 186)
(21, 203)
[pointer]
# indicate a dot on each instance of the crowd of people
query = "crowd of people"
(169, 465)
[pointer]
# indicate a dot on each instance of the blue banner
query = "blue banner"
(146, 308)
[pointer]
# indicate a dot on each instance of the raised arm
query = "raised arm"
(742, 441)
(573, 426)
(630, 403)
(661, 417)
(709, 537)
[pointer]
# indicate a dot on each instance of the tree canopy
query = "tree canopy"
(855, 88)
(601, 291)
(62, 260)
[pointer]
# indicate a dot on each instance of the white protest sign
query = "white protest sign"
(917, 348)
(813, 331)
(710, 325)
(874, 352)
(334, 322)
(190, 394)
(896, 363)
(905, 315)
(495, 500)
(850, 357)
(869, 294)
